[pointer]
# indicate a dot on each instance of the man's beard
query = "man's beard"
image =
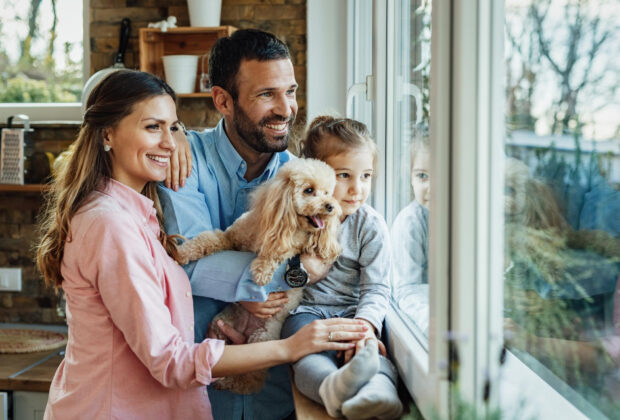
(253, 135)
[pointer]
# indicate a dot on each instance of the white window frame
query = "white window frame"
(424, 372)
(477, 223)
(70, 111)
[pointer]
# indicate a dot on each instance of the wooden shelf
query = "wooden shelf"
(154, 44)
(194, 95)
(24, 188)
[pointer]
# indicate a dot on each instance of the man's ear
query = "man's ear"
(223, 101)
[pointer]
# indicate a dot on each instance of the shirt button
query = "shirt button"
(191, 327)
(204, 391)
(252, 297)
(188, 293)
(144, 219)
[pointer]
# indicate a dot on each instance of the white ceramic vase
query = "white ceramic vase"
(181, 72)
(204, 12)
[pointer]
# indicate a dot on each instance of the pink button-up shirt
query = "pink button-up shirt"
(131, 351)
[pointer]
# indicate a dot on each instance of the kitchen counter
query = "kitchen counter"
(30, 371)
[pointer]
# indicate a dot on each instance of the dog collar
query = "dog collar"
(296, 275)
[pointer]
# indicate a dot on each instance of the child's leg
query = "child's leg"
(341, 385)
(312, 369)
(378, 398)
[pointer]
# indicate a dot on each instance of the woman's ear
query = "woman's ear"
(106, 134)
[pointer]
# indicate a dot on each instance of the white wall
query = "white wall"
(326, 82)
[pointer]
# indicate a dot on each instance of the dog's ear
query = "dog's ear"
(277, 219)
(327, 245)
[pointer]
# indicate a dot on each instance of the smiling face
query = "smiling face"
(141, 144)
(354, 171)
(421, 179)
(313, 186)
(266, 104)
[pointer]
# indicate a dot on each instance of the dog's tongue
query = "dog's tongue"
(318, 222)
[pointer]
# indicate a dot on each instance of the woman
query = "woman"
(130, 352)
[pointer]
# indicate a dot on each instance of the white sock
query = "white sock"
(378, 398)
(341, 385)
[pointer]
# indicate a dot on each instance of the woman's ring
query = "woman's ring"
(330, 336)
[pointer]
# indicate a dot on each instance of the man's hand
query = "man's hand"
(234, 336)
(316, 268)
(180, 162)
(265, 310)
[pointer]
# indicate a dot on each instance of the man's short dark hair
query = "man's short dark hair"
(245, 44)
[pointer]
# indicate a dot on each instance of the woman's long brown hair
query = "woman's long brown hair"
(88, 165)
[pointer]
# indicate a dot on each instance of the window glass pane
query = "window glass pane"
(409, 172)
(41, 51)
(562, 197)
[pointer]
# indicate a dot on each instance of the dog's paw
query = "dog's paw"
(262, 270)
(183, 255)
(261, 278)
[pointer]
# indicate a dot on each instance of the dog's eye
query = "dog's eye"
(309, 190)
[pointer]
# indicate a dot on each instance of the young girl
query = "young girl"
(410, 238)
(356, 286)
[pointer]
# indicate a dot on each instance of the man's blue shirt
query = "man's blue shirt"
(214, 196)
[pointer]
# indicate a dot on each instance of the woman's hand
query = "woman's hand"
(359, 344)
(180, 162)
(265, 310)
(315, 337)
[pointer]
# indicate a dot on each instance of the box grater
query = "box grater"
(17, 145)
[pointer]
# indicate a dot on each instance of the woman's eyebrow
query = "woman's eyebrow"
(158, 120)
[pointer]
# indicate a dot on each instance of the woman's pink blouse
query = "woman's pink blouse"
(131, 351)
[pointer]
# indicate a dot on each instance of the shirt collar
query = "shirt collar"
(135, 203)
(233, 162)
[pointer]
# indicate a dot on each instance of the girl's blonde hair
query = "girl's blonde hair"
(88, 165)
(351, 133)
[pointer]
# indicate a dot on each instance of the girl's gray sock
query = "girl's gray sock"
(341, 385)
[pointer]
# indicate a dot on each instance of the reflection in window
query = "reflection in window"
(41, 51)
(562, 198)
(410, 172)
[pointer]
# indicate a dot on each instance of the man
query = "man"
(254, 89)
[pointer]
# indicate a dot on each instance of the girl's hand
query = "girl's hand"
(315, 337)
(180, 162)
(265, 310)
(359, 344)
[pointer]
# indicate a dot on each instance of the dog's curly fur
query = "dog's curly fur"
(293, 213)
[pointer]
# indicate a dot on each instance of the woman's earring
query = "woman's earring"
(107, 147)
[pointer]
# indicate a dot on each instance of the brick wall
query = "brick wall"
(18, 211)
(285, 18)
(36, 303)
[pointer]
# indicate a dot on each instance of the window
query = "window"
(400, 116)
(523, 247)
(562, 199)
(41, 58)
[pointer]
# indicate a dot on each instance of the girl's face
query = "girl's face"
(420, 178)
(142, 143)
(354, 171)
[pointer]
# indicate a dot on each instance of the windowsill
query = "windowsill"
(71, 111)
(523, 391)
(45, 124)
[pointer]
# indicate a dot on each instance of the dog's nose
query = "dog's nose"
(329, 207)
